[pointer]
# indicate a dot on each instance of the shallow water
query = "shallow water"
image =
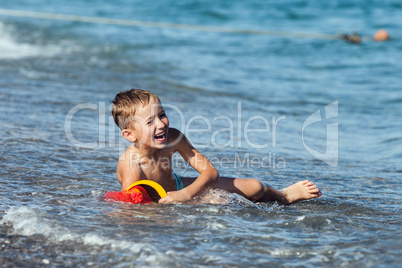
(60, 147)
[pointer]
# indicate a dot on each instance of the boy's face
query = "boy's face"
(151, 125)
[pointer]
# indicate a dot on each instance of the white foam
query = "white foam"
(283, 252)
(216, 226)
(218, 196)
(97, 192)
(29, 221)
(10, 48)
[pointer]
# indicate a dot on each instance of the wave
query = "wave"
(29, 221)
(12, 49)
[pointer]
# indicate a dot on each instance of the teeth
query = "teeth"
(160, 136)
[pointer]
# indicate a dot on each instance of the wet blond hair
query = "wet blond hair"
(126, 103)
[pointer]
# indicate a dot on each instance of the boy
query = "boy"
(142, 120)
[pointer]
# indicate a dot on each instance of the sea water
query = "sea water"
(280, 109)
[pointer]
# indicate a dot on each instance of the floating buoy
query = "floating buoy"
(381, 35)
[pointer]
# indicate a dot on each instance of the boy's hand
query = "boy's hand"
(174, 196)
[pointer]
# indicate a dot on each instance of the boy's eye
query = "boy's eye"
(162, 115)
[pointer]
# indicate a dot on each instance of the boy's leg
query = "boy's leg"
(255, 190)
(251, 189)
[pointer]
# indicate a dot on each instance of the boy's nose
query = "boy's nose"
(160, 123)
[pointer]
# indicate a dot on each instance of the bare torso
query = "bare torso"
(156, 165)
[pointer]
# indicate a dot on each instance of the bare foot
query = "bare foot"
(302, 190)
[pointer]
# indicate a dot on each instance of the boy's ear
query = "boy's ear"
(129, 135)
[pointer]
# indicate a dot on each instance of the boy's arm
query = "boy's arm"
(126, 175)
(208, 173)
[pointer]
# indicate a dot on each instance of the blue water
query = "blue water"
(60, 147)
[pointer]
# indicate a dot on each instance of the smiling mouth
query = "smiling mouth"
(161, 136)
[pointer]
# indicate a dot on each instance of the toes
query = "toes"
(312, 187)
(315, 190)
(309, 183)
(317, 193)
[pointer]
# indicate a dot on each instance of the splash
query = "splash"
(219, 196)
(11, 48)
(30, 221)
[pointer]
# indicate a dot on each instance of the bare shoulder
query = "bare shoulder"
(175, 134)
(181, 144)
(128, 170)
(176, 138)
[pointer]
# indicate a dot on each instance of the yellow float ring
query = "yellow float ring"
(156, 186)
